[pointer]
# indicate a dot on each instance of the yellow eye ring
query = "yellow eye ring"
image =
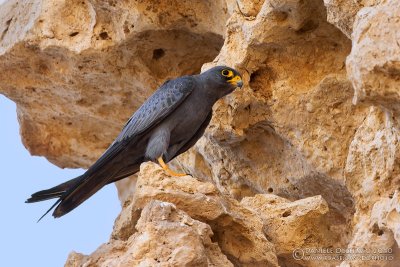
(227, 73)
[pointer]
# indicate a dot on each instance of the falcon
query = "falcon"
(167, 124)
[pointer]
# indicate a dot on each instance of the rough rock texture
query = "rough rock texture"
(164, 235)
(305, 155)
(291, 225)
(374, 63)
(96, 62)
(342, 13)
(237, 230)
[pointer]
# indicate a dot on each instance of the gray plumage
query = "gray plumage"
(166, 125)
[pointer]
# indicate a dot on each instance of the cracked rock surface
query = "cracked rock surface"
(304, 155)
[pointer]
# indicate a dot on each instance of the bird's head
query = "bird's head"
(222, 80)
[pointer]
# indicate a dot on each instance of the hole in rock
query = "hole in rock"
(158, 53)
(73, 34)
(261, 80)
(376, 230)
(8, 22)
(286, 213)
(103, 35)
(182, 52)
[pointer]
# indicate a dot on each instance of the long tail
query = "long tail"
(54, 192)
(75, 191)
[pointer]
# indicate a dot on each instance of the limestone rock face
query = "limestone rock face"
(164, 235)
(237, 230)
(96, 62)
(254, 232)
(342, 13)
(374, 62)
(291, 225)
(305, 155)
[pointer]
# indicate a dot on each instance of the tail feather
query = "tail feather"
(75, 191)
(88, 186)
(82, 190)
(41, 196)
(54, 192)
(52, 207)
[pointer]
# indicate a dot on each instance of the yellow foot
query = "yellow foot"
(167, 169)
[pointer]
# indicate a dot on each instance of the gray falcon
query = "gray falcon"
(168, 123)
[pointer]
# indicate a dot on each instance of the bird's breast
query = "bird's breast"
(187, 119)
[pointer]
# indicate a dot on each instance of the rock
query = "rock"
(165, 235)
(243, 231)
(374, 62)
(293, 226)
(290, 225)
(342, 13)
(372, 167)
(372, 176)
(314, 129)
(386, 214)
(264, 139)
(237, 230)
(93, 65)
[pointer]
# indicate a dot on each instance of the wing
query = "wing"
(164, 101)
(158, 106)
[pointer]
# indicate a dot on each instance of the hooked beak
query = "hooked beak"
(236, 81)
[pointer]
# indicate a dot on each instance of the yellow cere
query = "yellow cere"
(235, 80)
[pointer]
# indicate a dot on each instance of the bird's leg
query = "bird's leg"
(167, 169)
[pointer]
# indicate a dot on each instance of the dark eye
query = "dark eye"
(225, 73)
